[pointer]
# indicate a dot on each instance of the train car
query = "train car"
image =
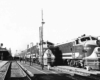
(81, 52)
(34, 54)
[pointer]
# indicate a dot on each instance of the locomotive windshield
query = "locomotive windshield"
(77, 41)
(93, 38)
(85, 39)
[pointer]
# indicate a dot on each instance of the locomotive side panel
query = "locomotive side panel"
(66, 48)
(63, 52)
(78, 52)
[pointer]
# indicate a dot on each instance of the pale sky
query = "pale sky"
(64, 20)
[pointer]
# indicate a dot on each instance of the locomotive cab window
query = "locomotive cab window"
(85, 39)
(93, 38)
(77, 41)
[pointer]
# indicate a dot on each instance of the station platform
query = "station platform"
(2, 63)
(77, 69)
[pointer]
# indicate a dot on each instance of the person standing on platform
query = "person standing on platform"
(30, 60)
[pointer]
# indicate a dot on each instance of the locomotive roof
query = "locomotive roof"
(47, 42)
(64, 43)
(86, 36)
(71, 41)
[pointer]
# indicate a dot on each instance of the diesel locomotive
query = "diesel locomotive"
(81, 52)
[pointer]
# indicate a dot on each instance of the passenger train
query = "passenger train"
(34, 53)
(82, 52)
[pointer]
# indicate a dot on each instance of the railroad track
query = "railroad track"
(13, 71)
(5, 71)
(67, 74)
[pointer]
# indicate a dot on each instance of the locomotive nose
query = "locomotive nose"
(98, 52)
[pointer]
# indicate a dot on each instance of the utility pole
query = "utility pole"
(41, 42)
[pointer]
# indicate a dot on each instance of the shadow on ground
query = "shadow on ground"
(52, 77)
(45, 77)
(60, 76)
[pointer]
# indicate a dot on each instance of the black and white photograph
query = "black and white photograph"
(49, 39)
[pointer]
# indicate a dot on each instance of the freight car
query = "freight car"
(81, 52)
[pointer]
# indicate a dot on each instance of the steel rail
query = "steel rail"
(6, 75)
(29, 75)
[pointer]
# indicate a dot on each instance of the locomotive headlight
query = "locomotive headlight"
(98, 49)
(98, 42)
(98, 52)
